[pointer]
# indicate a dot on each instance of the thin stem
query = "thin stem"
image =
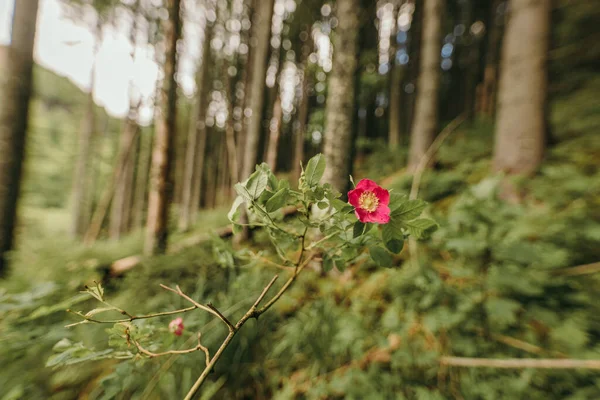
(253, 312)
(546, 363)
(186, 351)
(132, 318)
(210, 308)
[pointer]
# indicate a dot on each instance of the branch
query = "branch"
(150, 354)
(578, 270)
(253, 312)
(130, 319)
(546, 363)
(208, 308)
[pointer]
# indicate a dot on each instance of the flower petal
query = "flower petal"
(366, 184)
(383, 195)
(362, 215)
(381, 215)
(354, 195)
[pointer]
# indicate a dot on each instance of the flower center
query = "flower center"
(368, 201)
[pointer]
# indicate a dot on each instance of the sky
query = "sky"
(66, 47)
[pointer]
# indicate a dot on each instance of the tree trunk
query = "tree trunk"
(274, 133)
(261, 33)
(83, 192)
(16, 70)
(428, 84)
(520, 122)
(300, 136)
(339, 112)
(194, 158)
(487, 100)
(395, 128)
(141, 179)
(120, 215)
(161, 185)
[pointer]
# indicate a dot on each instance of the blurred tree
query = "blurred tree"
(487, 89)
(83, 190)
(121, 209)
(426, 108)
(16, 67)
(196, 146)
(261, 29)
(520, 122)
(161, 185)
(396, 77)
(341, 95)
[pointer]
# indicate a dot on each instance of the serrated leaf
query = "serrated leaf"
(396, 200)
(243, 192)
(381, 256)
(408, 210)
(315, 170)
(358, 229)
(257, 183)
(277, 200)
(233, 213)
(420, 228)
(322, 205)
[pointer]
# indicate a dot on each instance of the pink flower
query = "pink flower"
(370, 202)
(176, 326)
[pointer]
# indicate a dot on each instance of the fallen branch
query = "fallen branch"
(518, 363)
(578, 270)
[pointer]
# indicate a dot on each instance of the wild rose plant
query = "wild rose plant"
(373, 219)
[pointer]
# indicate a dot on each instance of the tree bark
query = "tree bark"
(487, 100)
(82, 185)
(428, 84)
(194, 158)
(261, 26)
(274, 133)
(395, 128)
(141, 179)
(161, 185)
(300, 134)
(16, 70)
(339, 112)
(520, 122)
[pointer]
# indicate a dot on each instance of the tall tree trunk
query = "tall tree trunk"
(428, 85)
(122, 200)
(120, 218)
(487, 100)
(16, 70)
(274, 132)
(395, 128)
(161, 185)
(194, 157)
(520, 122)
(261, 26)
(339, 112)
(300, 133)
(141, 179)
(83, 192)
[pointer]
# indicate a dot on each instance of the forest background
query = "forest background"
(488, 110)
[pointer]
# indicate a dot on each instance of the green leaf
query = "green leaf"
(393, 236)
(233, 213)
(257, 183)
(420, 228)
(396, 200)
(408, 210)
(322, 205)
(358, 229)
(277, 200)
(381, 256)
(327, 264)
(243, 192)
(315, 170)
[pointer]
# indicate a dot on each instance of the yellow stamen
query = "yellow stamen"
(368, 201)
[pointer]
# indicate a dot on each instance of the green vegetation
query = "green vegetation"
(490, 283)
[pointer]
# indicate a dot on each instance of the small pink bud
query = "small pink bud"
(176, 326)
